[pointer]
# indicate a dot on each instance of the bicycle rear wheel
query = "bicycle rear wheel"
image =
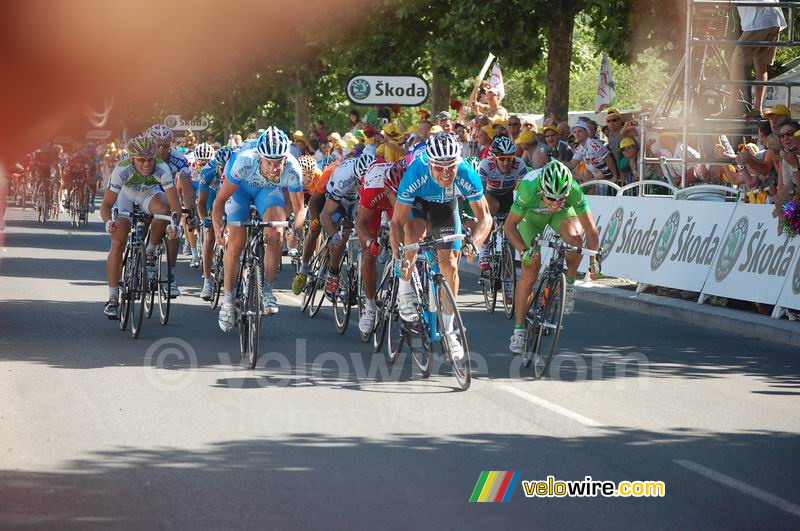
(415, 336)
(138, 287)
(342, 300)
(508, 279)
(317, 286)
(446, 303)
(217, 272)
(489, 286)
(164, 282)
(125, 291)
(253, 310)
(241, 312)
(544, 328)
(383, 298)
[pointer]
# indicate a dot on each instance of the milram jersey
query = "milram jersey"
(246, 172)
(124, 176)
(178, 164)
(417, 183)
(209, 179)
(343, 185)
(501, 182)
(373, 194)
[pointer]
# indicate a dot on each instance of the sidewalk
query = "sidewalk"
(729, 320)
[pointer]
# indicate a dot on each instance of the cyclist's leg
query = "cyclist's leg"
(369, 273)
(338, 217)
(315, 205)
(566, 224)
(118, 241)
(271, 205)
(531, 227)
(155, 202)
(210, 239)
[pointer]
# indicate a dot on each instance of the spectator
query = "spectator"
(526, 144)
(668, 146)
(492, 107)
(514, 125)
(322, 133)
(299, 144)
(777, 116)
(563, 131)
(444, 121)
(499, 128)
(789, 169)
(614, 133)
(390, 150)
(355, 121)
(425, 129)
(529, 124)
(629, 154)
(758, 24)
(598, 161)
(556, 148)
(485, 137)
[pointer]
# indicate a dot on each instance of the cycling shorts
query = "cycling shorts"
(534, 224)
(127, 197)
(505, 199)
(237, 208)
(443, 219)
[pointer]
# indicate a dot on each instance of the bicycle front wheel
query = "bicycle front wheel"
(342, 300)
(316, 285)
(383, 298)
(217, 272)
(138, 288)
(125, 291)
(544, 328)
(455, 337)
(164, 282)
(253, 310)
(508, 279)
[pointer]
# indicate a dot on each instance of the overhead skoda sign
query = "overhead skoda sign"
(177, 123)
(387, 90)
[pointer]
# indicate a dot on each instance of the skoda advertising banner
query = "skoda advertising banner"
(387, 90)
(790, 294)
(752, 261)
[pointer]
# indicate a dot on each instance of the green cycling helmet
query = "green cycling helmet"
(556, 180)
(473, 161)
(141, 146)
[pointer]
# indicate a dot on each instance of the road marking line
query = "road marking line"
(555, 408)
(741, 486)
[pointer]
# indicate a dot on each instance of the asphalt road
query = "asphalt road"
(99, 430)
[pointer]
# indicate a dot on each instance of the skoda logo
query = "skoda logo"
(612, 231)
(729, 255)
(796, 278)
(171, 122)
(665, 239)
(359, 89)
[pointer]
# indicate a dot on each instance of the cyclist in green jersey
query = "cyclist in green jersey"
(553, 198)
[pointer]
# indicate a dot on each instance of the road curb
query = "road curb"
(725, 319)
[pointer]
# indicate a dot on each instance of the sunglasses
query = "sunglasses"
(554, 199)
(613, 120)
(514, 124)
(784, 135)
(504, 158)
(162, 146)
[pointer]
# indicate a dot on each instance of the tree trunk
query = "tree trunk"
(559, 57)
(440, 88)
(301, 105)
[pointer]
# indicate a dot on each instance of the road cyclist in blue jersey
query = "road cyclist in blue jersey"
(211, 177)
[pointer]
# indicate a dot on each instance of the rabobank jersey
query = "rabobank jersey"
(246, 171)
(414, 152)
(209, 180)
(496, 181)
(124, 176)
(343, 185)
(417, 183)
(178, 164)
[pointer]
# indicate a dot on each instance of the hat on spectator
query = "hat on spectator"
(436, 129)
(582, 125)
(525, 137)
(444, 115)
(626, 143)
(499, 121)
(298, 135)
(390, 130)
(489, 130)
(413, 129)
(359, 135)
(339, 143)
(612, 112)
(549, 128)
(779, 110)
(493, 90)
(334, 137)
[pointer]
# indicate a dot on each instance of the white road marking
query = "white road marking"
(555, 408)
(741, 486)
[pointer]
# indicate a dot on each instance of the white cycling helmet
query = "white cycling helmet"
(443, 148)
(204, 152)
(503, 145)
(273, 143)
(160, 132)
(362, 163)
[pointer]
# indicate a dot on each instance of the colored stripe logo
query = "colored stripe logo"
(494, 486)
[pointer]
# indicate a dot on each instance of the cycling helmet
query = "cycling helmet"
(443, 147)
(503, 145)
(308, 164)
(392, 178)
(556, 180)
(223, 156)
(160, 132)
(273, 143)
(362, 163)
(474, 161)
(141, 146)
(204, 152)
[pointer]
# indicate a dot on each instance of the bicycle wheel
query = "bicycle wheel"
(383, 299)
(125, 291)
(164, 282)
(138, 288)
(241, 312)
(149, 298)
(415, 336)
(394, 329)
(308, 289)
(317, 286)
(508, 278)
(342, 300)
(446, 303)
(253, 310)
(217, 272)
(544, 328)
(488, 281)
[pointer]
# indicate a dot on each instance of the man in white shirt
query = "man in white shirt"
(758, 24)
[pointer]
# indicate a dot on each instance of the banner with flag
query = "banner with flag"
(605, 86)
(496, 80)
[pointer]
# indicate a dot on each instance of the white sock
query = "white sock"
(228, 297)
(113, 293)
(371, 304)
(404, 287)
(448, 322)
(194, 252)
(151, 249)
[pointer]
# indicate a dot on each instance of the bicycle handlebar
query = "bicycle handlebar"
(430, 242)
(116, 212)
(258, 224)
(558, 244)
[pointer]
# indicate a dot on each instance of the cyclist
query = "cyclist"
(500, 173)
(553, 198)
(315, 205)
(341, 198)
(177, 163)
(203, 153)
(138, 179)
(95, 175)
(211, 176)
(76, 173)
(427, 203)
(257, 175)
(378, 194)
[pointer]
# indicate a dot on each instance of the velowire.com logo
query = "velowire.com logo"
(494, 486)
